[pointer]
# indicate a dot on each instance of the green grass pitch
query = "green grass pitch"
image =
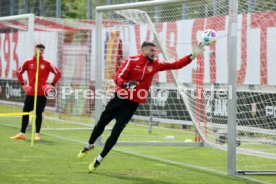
(54, 160)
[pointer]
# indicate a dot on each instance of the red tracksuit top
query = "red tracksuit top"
(139, 69)
(45, 68)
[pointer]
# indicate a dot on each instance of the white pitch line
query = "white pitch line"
(160, 159)
(153, 158)
(184, 165)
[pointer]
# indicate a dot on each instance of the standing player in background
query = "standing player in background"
(45, 67)
(133, 80)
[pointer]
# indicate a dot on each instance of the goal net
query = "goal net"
(69, 47)
(191, 103)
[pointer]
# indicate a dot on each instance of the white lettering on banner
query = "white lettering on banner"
(159, 112)
(12, 92)
(253, 109)
(216, 103)
(209, 106)
(269, 110)
(161, 98)
(220, 107)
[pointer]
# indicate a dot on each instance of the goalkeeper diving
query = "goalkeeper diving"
(133, 80)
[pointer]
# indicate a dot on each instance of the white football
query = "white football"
(209, 37)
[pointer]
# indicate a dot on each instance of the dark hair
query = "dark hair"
(40, 45)
(145, 44)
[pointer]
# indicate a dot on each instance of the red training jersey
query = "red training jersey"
(45, 67)
(139, 69)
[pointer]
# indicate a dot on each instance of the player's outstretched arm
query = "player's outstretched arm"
(197, 50)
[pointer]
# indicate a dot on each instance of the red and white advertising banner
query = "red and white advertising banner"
(256, 48)
(14, 50)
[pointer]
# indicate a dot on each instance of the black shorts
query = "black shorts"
(29, 103)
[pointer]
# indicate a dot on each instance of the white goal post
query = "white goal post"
(221, 97)
(30, 28)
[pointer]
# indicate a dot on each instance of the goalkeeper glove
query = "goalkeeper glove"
(197, 50)
(26, 87)
(130, 85)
